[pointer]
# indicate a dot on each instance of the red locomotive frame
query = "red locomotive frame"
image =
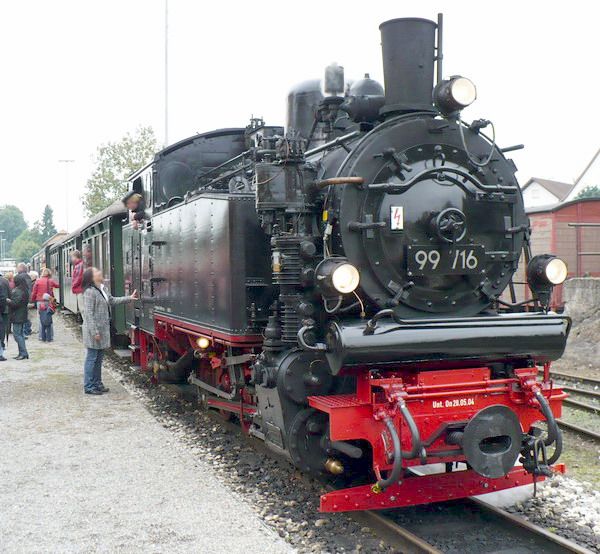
(436, 399)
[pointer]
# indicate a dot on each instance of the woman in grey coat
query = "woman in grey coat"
(97, 303)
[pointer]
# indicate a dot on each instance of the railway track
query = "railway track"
(459, 528)
(581, 405)
(470, 525)
(464, 526)
(590, 390)
(561, 376)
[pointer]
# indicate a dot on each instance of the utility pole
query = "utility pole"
(2, 240)
(166, 72)
(66, 163)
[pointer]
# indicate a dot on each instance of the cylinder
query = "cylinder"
(408, 49)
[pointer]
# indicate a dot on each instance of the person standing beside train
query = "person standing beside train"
(42, 295)
(18, 304)
(10, 277)
(22, 270)
(77, 279)
(98, 304)
(33, 275)
(4, 295)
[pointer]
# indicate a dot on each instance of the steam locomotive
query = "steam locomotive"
(343, 286)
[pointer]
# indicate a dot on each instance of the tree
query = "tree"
(12, 223)
(589, 192)
(26, 245)
(46, 227)
(115, 162)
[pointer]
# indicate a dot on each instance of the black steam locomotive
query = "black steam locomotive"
(342, 286)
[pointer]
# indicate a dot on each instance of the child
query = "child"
(42, 295)
(46, 310)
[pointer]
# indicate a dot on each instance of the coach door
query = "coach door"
(132, 272)
(146, 289)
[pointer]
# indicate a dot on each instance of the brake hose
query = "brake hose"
(394, 475)
(554, 433)
(414, 432)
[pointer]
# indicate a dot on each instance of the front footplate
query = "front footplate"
(425, 489)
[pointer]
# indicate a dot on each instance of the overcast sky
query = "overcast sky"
(75, 74)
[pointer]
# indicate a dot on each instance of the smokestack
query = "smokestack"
(409, 53)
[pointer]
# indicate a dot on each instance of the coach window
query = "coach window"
(104, 250)
(148, 189)
(87, 255)
(97, 258)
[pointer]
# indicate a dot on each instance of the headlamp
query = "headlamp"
(203, 342)
(337, 276)
(556, 271)
(546, 269)
(543, 273)
(345, 278)
(454, 94)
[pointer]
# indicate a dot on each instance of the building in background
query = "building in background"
(544, 192)
(571, 231)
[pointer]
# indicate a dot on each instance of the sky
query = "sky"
(76, 74)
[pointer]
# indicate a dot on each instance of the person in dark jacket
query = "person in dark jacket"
(4, 295)
(22, 270)
(18, 304)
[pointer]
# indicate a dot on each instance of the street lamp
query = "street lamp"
(166, 73)
(66, 162)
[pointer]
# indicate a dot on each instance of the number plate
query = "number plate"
(459, 260)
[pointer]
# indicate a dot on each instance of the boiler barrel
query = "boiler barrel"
(408, 47)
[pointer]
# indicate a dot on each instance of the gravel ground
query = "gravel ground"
(582, 456)
(286, 500)
(568, 507)
(81, 473)
(275, 493)
(291, 506)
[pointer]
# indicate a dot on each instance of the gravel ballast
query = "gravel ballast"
(81, 473)
(565, 506)
(277, 498)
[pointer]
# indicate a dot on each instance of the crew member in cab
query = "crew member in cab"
(134, 202)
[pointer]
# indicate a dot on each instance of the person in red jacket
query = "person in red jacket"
(77, 278)
(45, 284)
(42, 295)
